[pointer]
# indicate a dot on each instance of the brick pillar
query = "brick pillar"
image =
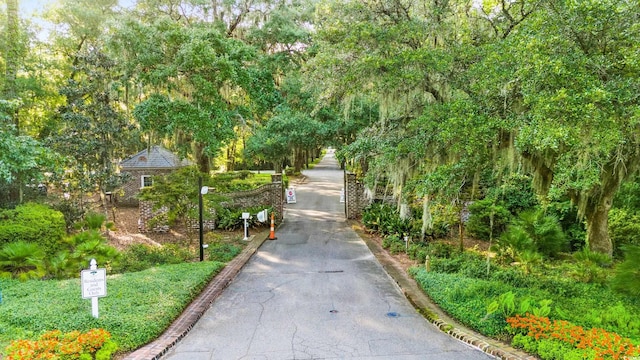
(355, 200)
(277, 195)
(351, 196)
(147, 214)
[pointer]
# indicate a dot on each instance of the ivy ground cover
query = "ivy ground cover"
(137, 308)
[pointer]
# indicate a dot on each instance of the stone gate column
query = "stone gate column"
(277, 195)
(354, 196)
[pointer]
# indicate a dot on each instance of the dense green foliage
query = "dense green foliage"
(140, 257)
(468, 298)
(137, 308)
(33, 223)
(21, 260)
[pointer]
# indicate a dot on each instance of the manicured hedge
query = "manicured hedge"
(34, 223)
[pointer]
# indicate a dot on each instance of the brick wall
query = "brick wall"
(266, 195)
(152, 219)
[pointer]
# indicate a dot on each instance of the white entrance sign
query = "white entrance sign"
(94, 283)
(291, 196)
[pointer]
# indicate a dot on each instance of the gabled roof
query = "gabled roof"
(156, 157)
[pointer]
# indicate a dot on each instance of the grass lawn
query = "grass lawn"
(137, 308)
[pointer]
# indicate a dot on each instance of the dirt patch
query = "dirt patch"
(126, 232)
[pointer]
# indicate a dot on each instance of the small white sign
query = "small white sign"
(291, 196)
(94, 283)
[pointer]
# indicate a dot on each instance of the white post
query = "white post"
(93, 265)
(246, 216)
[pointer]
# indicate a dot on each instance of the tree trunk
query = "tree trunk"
(298, 161)
(277, 166)
(11, 56)
(597, 219)
(231, 156)
(202, 159)
(594, 205)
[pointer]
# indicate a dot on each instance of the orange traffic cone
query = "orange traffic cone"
(272, 233)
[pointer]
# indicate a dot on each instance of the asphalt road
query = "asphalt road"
(316, 292)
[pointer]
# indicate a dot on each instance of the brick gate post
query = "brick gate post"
(353, 196)
(277, 195)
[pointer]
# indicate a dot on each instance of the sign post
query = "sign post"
(94, 285)
(246, 216)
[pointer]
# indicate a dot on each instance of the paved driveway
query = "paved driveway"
(316, 292)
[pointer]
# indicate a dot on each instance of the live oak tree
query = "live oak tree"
(199, 79)
(576, 86)
(464, 87)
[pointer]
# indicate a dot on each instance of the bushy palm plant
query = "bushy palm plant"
(21, 260)
(79, 250)
(532, 231)
(544, 230)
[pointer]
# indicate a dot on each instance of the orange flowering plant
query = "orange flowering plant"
(606, 345)
(94, 344)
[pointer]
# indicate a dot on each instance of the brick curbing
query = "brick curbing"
(185, 322)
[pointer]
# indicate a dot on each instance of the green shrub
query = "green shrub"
(624, 229)
(464, 298)
(418, 252)
(481, 213)
(33, 223)
(394, 243)
(617, 318)
(139, 257)
(545, 230)
(552, 350)
(444, 217)
(441, 249)
(515, 193)
(573, 227)
(590, 266)
(231, 218)
(512, 276)
(527, 343)
(385, 220)
(533, 231)
(467, 263)
(71, 211)
(511, 243)
(94, 221)
(627, 274)
(223, 251)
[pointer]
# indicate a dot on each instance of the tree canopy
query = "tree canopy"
(444, 101)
